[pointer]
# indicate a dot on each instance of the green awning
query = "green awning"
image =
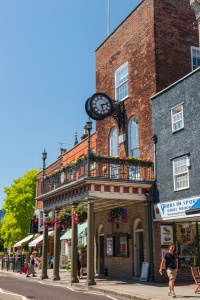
(68, 235)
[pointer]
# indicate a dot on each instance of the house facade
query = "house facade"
(175, 123)
(113, 169)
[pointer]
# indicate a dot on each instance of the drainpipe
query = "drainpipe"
(195, 5)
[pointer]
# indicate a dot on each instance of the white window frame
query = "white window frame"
(195, 53)
(133, 146)
(133, 137)
(177, 118)
(121, 82)
(113, 151)
(181, 173)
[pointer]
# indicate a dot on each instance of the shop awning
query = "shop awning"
(38, 239)
(195, 209)
(68, 235)
(26, 239)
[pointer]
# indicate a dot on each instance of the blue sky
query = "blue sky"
(47, 72)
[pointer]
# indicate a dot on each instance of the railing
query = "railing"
(13, 263)
(101, 168)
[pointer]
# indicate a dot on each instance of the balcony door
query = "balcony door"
(133, 146)
(113, 151)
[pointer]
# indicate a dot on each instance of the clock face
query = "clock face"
(100, 105)
(87, 108)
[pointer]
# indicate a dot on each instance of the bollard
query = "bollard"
(106, 272)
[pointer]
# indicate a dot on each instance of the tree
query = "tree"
(19, 205)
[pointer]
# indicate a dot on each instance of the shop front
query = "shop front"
(173, 225)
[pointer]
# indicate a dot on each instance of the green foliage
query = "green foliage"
(81, 247)
(68, 266)
(19, 205)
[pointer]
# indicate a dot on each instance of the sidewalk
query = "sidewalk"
(130, 288)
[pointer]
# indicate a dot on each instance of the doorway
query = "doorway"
(138, 247)
(100, 250)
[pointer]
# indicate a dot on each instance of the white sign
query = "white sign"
(173, 209)
(166, 234)
(144, 271)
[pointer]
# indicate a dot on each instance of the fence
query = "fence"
(12, 263)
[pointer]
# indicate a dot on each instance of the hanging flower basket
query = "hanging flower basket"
(79, 214)
(63, 219)
(118, 214)
(48, 222)
(66, 220)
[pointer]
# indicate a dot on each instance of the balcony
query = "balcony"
(101, 168)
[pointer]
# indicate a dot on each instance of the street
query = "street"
(37, 290)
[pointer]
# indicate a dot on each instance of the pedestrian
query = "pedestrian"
(79, 266)
(31, 264)
(171, 263)
(83, 260)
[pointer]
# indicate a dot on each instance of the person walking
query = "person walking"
(171, 263)
(31, 264)
(79, 266)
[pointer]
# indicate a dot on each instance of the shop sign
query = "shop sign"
(166, 234)
(173, 209)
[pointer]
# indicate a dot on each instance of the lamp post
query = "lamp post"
(89, 128)
(149, 200)
(44, 156)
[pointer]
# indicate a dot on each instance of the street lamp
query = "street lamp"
(89, 128)
(44, 156)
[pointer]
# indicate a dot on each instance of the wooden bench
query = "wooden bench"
(196, 276)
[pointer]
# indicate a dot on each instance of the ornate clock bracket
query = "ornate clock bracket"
(119, 113)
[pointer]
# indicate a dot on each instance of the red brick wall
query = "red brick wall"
(122, 266)
(174, 35)
(155, 39)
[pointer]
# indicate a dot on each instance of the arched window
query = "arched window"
(133, 139)
(113, 142)
(113, 151)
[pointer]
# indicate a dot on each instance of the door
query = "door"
(101, 248)
(138, 247)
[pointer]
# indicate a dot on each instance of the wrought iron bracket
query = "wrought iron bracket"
(119, 113)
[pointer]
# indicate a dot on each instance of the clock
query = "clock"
(99, 106)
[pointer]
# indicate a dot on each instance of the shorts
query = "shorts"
(171, 273)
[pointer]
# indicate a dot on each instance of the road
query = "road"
(37, 290)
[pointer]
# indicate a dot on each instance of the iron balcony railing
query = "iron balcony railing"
(101, 168)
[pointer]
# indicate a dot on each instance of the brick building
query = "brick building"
(147, 52)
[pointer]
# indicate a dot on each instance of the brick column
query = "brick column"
(90, 244)
(44, 251)
(56, 263)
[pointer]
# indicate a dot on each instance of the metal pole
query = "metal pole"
(108, 17)
(56, 262)
(88, 153)
(74, 252)
(44, 251)
(90, 245)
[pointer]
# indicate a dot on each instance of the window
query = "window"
(195, 57)
(181, 174)
(117, 245)
(133, 146)
(121, 82)
(113, 151)
(177, 118)
(133, 140)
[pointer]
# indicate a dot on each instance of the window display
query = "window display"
(117, 245)
(186, 244)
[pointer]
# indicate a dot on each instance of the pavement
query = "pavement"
(125, 288)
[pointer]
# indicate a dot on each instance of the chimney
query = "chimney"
(195, 4)
(85, 135)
